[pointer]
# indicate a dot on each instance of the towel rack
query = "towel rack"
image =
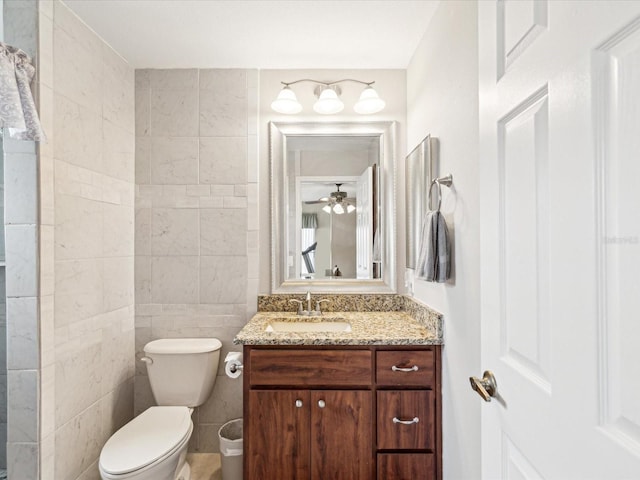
(447, 181)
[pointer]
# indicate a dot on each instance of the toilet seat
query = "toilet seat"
(147, 439)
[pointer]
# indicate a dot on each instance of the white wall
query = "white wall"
(442, 99)
(390, 85)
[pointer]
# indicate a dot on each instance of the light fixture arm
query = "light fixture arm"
(327, 84)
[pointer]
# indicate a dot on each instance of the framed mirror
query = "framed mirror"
(333, 207)
(419, 172)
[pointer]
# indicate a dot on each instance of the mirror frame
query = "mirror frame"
(386, 132)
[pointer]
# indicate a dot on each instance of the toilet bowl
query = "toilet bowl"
(153, 446)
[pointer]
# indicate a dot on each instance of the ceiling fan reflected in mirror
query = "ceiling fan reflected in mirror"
(337, 202)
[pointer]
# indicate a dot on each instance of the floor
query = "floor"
(205, 466)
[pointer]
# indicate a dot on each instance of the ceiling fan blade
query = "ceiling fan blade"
(313, 202)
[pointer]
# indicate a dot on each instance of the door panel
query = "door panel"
(560, 238)
(617, 76)
(341, 435)
(278, 434)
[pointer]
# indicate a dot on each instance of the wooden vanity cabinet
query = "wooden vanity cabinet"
(318, 413)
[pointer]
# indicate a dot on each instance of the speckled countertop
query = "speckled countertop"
(367, 328)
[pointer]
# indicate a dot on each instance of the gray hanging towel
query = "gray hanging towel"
(434, 259)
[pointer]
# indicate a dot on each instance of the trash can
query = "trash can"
(231, 449)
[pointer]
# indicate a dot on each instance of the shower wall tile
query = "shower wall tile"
(84, 433)
(79, 286)
(142, 280)
(78, 230)
(77, 376)
(20, 184)
(173, 79)
(19, 21)
(22, 333)
(174, 112)
(21, 260)
(143, 111)
(77, 73)
(223, 279)
(223, 114)
(174, 160)
(118, 283)
(231, 81)
(80, 142)
(174, 232)
(22, 413)
(82, 35)
(119, 152)
(117, 366)
(223, 231)
(118, 230)
(48, 401)
(223, 160)
(143, 160)
(23, 458)
(117, 407)
(174, 279)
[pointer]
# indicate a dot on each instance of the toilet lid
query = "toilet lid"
(145, 439)
(183, 345)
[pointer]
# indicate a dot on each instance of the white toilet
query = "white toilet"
(153, 446)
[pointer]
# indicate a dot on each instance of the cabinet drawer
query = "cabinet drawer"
(406, 466)
(392, 366)
(413, 407)
(310, 367)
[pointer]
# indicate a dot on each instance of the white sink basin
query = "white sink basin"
(309, 326)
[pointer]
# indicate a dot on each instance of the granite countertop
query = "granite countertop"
(367, 328)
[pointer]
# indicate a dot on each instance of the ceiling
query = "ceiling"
(265, 34)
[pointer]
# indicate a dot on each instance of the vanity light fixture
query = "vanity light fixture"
(328, 102)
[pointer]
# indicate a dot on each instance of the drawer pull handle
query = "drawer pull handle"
(405, 369)
(406, 422)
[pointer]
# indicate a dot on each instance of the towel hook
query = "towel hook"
(447, 181)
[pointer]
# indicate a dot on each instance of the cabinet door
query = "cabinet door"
(341, 435)
(277, 435)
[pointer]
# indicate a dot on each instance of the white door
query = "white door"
(364, 225)
(560, 238)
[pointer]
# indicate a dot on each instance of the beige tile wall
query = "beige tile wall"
(196, 221)
(86, 244)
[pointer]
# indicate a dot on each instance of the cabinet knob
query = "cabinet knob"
(299, 403)
(321, 403)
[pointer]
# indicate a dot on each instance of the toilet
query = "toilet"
(153, 446)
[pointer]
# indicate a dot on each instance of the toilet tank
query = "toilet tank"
(182, 371)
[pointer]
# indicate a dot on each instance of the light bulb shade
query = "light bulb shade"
(369, 102)
(326, 208)
(286, 102)
(328, 102)
(338, 209)
(350, 208)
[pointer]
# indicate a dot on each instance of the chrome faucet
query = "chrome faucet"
(308, 298)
